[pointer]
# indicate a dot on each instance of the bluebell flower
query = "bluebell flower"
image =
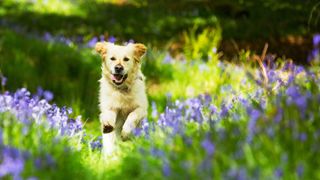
(92, 42)
(316, 40)
(213, 109)
(96, 144)
(301, 102)
(47, 36)
(293, 91)
(238, 174)
(279, 115)
(299, 69)
(3, 80)
(254, 116)
(225, 110)
(137, 132)
(300, 170)
(112, 39)
(12, 163)
(288, 66)
(157, 152)
(48, 95)
(167, 59)
(207, 99)
(208, 146)
(278, 173)
(303, 137)
(166, 170)
(101, 38)
(154, 112)
(145, 125)
(272, 76)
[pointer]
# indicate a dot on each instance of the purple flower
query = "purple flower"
(38, 163)
(316, 40)
(137, 132)
(300, 170)
(96, 145)
(213, 109)
(254, 116)
(299, 69)
(272, 76)
(3, 80)
(145, 125)
(48, 95)
(288, 66)
(314, 55)
(208, 146)
(278, 173)
(101, 37)
(154, 113)
(225, 110)
(167, 59)
(239, 174)
(112, 39)
(47, 36)
(157, 152)
(293, 92)
(303, 137)
(12, 163)
(278, 116)
(301, 102)
(50, 161)
(166, 170)
(92, 42)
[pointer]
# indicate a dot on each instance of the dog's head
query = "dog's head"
(120, 62)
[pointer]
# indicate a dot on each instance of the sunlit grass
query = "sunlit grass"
(59, 7)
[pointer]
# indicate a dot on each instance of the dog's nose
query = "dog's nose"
(118, 68)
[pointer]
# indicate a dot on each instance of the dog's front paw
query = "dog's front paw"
(126, 134)
(106, 128)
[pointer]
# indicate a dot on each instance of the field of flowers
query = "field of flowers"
(254, 123)
(256, 117)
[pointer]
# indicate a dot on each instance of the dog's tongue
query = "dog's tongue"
(116, 78)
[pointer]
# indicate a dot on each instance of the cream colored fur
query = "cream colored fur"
(122, 106)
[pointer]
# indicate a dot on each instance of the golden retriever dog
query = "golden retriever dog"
(122, 96)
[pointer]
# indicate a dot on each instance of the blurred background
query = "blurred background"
(48, 43)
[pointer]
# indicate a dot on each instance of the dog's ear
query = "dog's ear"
(101, 48)
(139, 50)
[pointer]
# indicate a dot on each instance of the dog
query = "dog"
(122, 96)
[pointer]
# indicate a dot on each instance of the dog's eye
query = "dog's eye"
(126, 59)
(112, 58)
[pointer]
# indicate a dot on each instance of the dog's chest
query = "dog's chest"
(123, 101)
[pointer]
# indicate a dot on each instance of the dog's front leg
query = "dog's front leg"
(108, 121)
(133, 120)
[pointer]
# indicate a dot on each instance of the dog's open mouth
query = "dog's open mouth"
(118, 79)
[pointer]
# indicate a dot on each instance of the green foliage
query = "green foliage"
(71, 73)
(202, 46)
